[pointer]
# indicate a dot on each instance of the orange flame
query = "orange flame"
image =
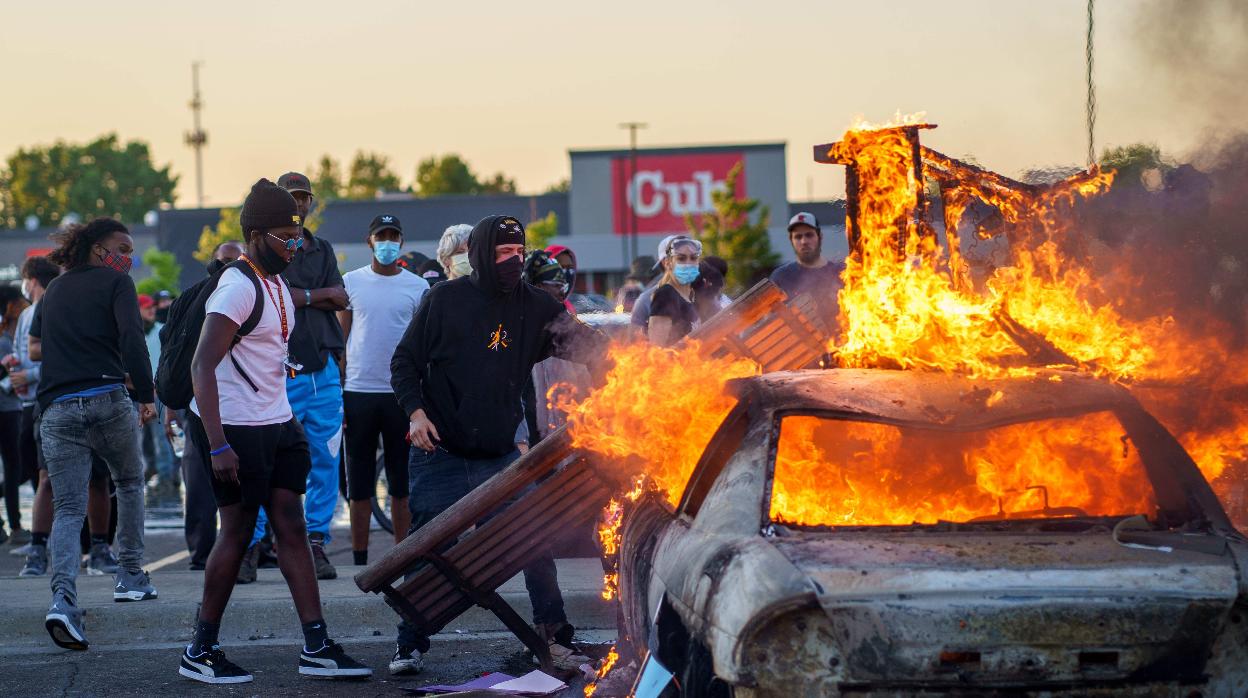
(833, 472)
(607, 665)
(657, 411)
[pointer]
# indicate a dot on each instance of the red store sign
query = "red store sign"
(666, 187)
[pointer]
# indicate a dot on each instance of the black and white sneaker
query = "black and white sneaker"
(212, 667)
(330, 661)
(407, 660)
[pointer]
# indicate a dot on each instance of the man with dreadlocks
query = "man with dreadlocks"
(90, 335)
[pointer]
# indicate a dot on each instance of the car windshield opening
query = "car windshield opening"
(834, 472)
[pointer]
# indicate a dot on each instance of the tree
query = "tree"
(227, 228)
(1132, 161)
(498, 184)
(166, 272)
(327, 179)
(540, 232)
(728, 233)
(102, 178)
(370, 175)
(450, 174)
(563, 186)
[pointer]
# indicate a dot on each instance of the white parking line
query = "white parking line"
(168, 560)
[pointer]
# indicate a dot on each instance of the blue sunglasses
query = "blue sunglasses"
(291, 244)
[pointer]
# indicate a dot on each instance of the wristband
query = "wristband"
(307, 297)
(219, 451)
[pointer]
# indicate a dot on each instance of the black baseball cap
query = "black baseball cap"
(293, 182)
(385, 222)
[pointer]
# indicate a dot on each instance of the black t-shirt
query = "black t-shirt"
(668, 303)
(821, 283)
(317, 333)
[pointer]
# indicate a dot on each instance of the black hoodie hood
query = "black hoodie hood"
(481, 242)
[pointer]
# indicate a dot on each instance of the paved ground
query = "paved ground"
(135, 646)
(151, 670)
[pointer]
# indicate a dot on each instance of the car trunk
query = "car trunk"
(1017, 606)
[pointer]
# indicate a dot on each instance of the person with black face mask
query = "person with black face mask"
(459, 372)
(242, 424)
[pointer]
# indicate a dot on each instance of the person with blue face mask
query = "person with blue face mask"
(672, 311)
(382, 300)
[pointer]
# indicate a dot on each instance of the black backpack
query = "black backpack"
(180, 336)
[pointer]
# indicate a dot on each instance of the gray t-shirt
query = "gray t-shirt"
(641, 308)
(821, 283)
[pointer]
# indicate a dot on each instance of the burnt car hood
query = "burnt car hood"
(1013, 608)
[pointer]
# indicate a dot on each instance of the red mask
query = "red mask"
(117, 262)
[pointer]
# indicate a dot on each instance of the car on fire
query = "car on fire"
(876, 532)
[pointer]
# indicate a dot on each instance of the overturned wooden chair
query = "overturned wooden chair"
(451, 571)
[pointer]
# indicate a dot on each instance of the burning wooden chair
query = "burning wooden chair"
(449, 571)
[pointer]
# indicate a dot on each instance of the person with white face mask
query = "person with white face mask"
(672, 311)
(383, 298)
(453, 251)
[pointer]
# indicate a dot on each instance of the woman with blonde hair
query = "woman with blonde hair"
(672, 311)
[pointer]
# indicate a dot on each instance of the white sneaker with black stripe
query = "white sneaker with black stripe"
(331, 662)
(212, 667)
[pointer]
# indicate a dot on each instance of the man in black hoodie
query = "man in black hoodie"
(459, 373)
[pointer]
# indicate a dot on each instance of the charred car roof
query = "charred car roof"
(936, 400)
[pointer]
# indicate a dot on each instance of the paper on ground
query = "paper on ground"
(533, 683)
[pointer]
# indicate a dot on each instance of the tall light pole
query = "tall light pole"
(631, 245)
(197, 139)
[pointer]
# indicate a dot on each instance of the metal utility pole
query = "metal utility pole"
(197, 139)
(632, 127)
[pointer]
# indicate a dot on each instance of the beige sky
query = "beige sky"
(512, 85)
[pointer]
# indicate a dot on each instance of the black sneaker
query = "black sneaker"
(330, 661)
(212, 667)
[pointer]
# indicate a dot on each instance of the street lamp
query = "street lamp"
(631, 247)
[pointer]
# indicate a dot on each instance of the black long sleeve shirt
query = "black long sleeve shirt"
(91, 335)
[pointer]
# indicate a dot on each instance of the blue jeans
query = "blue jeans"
(439, 479)
(156, 449)
(71, 433)
(316, 400)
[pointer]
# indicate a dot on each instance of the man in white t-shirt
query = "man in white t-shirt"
(382, 300)
(241, 422)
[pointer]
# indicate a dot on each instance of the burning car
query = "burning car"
(881, 532)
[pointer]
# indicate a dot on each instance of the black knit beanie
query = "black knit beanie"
(508, 231)
(268, 206)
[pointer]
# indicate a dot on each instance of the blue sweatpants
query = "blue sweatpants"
(316, 400)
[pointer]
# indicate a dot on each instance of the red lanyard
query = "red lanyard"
(279, 303)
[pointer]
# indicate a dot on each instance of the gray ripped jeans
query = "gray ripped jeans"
(107, 425)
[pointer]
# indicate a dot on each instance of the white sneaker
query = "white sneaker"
(407, 660)
(566, 658)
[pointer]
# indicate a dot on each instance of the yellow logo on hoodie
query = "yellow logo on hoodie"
(499, 339)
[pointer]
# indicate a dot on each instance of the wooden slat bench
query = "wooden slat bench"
(448, 571)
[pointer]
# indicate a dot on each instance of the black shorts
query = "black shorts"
(370, 417)
(270, 456)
